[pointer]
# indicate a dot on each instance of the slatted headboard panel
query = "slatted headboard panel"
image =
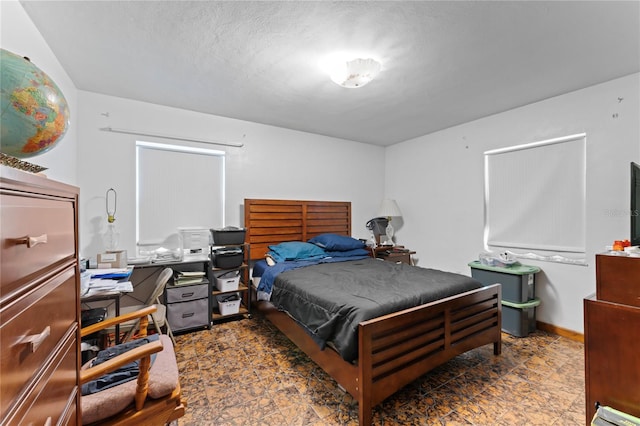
(274, 221)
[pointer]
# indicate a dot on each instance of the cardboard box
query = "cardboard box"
(112, 259)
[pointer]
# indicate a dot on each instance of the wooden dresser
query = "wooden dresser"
(612, 336)
(39, 307)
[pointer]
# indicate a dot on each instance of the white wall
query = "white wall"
(437, 180)
(274, 163)
(20, 36)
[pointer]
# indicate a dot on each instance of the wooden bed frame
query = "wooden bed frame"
(394, 349)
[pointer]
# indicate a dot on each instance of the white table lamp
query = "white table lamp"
(389, 208)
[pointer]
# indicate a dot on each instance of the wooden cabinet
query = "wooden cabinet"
(611, 331)
(396, 254)
(39, 300)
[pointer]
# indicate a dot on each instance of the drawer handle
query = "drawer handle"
(32, 241)
(48, 422)
(187, 294)
(36, 340)
(188, 315)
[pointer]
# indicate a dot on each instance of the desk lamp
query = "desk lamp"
(389, 208)
(111, 236)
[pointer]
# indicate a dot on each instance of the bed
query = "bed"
(393, 349)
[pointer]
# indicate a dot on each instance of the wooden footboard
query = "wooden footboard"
(396, 349)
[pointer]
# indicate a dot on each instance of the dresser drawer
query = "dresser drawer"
(185, 293)
(41, 219)
(30, 328)
(618, 279)
(53, 400)
(182, 316)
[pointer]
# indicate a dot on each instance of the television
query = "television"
(635, 204)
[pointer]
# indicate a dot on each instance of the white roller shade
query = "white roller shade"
(178, 186)
(535, 196)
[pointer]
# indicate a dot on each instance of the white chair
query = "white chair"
(161, 321)
(158, 318)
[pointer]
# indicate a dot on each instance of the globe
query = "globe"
(34, 113)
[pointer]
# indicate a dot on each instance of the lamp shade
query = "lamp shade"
(389, 208)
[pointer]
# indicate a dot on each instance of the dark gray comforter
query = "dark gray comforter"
(330, 300)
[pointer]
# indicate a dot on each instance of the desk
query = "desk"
(111, 295)
(143, 279)
(107, 296)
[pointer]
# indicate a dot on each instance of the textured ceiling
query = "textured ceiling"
(444, 62)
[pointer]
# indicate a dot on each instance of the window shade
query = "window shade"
(535, 196)
(178, 187)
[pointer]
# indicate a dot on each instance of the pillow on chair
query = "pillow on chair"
(163, 379)
(121, 375)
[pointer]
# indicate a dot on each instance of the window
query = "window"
(535, 197)
(177, 186)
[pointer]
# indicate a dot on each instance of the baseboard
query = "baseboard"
(569, 334)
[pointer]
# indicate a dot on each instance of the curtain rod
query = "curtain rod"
(157, 135)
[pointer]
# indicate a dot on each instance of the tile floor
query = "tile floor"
(247, 373)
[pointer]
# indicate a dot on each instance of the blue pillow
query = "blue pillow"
(335, 242)
(295, 250)
(349, 253)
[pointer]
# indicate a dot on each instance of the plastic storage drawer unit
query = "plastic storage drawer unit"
(518, 281)
(518, 294)
(519, 319)
(195, 240)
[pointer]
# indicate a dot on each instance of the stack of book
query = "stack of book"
(188, 277)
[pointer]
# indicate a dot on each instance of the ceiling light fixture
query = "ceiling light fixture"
(355, 73)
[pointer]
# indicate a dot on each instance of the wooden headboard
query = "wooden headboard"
(275, 221)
